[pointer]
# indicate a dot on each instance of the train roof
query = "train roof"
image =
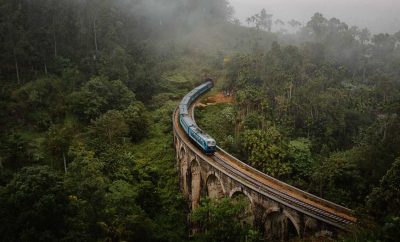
(202, 85)
(183, 110)
(188, 121)
(185, 100)
(201, 133)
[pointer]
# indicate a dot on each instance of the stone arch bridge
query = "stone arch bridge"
(281, 210)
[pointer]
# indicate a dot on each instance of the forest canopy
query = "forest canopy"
(87, 93)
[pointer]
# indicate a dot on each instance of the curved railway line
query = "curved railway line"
(270, 187)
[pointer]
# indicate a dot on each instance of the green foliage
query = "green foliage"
(301, 160)
(110, 128)
(336, 85)
(337, 176)
(57, 142)
(45, 96)
(22, 148)
(267, 151)
(85, 179)
(128, 221)
(137, 119)
(323, 90)
(98, 96)
(114, 65)
(385, 199)
(33, 206)
(389, 231)
(119, 127)
(223, 220)
(218, 120)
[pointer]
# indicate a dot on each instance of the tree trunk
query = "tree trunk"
(17, 69)
(55, 43)
(65, 163)
(95, 36)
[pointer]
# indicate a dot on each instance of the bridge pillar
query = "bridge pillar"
(195, 184)
(184, 173)
(310, 225)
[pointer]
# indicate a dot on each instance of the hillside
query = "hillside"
(87, 93)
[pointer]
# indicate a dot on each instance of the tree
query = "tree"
(301, 161)
(263, 20)
(294, 23)
(318, 24)
(222, 220)
(128, 221)
(338, 178)
(109, 129)
(33, 206)
(137, 120)
(45, 96)
(57, 143)
(364, 36)
(86, 187)
(98, 96)
(384, 200)
(266, 151)
(115, 64)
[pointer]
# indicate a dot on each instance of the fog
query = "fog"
(378, 16)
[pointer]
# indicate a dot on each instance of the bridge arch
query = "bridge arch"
(280, 224)
(273, 227)
(270, 210)
(250, 209)
(291, 224)
(238, 190)
(215, 188)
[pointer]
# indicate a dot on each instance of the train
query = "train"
(204, 141)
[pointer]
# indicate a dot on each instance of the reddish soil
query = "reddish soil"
(216, 99)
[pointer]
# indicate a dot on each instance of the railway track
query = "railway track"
(272, 188)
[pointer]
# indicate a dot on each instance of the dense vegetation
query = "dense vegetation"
(322, 115)
(87, 93)
(88, 89)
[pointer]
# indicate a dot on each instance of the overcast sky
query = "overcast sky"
(377, 15)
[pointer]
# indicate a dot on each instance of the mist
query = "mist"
(378, 16)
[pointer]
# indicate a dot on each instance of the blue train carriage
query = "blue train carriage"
(203, 140)
(185, 122)
(196, 92)
(183, 110)
(206, 142)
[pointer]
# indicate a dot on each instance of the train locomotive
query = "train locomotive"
(199, 137)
